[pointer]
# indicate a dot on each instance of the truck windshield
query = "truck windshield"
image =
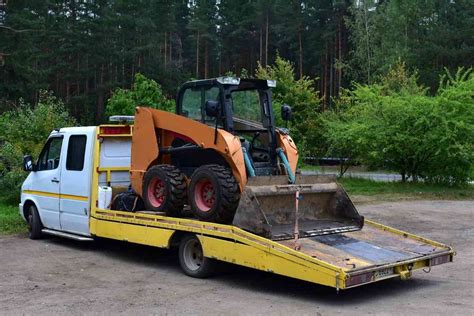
(246, 105)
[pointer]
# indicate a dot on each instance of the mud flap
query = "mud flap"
(267, 207)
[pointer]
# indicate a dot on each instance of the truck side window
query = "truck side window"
(49, 157)
(75, 152)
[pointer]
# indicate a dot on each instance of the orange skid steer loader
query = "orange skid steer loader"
(222, 155)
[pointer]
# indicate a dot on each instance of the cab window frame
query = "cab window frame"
(47, 147)
(202, 91)
(70, 151)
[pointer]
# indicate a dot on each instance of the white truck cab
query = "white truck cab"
(59, 184)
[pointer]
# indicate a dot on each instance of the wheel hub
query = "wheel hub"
(156, 192)
(193, 256)
(205, 195)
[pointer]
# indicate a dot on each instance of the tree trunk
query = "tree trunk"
(300, 46)
(266, 41)
(367, 40)
(197, 55)
(165, 51)
(339, 70)
(261, 46)
(170, 48)
(100, 96)
(206, 59)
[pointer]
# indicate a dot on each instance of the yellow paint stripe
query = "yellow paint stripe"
(56, 195)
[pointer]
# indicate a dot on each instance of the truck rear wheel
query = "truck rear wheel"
(214, 194)
(192, 260)
(164, 189)
(34, 223)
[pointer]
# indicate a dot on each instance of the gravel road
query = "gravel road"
(53, 275)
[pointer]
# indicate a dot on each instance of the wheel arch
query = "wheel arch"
(176, 238)
(26, 205)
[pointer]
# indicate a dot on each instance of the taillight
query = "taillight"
(115, 130)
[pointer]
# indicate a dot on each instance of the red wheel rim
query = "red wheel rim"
(156, 192)
(204, 195)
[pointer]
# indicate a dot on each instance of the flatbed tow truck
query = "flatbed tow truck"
(60, 197)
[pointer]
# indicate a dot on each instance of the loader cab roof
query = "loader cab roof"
(240, 83)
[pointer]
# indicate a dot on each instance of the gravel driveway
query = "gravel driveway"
(61, 276)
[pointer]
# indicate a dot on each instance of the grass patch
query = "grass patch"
(409, 190)
(10, 220)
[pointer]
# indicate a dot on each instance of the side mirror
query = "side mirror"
(28, 164)
(212, 108)
(286, 112)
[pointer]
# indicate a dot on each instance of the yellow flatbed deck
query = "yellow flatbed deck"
(341, 261)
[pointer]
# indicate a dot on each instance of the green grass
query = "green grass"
(391, 190)
(10, 220)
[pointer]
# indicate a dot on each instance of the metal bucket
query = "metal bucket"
(313, 206)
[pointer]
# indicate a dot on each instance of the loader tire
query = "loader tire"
(34, 223)
(214, 194)
(164, 189)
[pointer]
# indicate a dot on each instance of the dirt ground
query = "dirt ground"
(54, 275)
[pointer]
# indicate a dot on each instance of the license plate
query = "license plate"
(382, 273)
(440, 260)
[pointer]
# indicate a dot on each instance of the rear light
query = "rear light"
(115, 130)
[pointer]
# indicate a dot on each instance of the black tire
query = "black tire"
(173, 189)
(192, 260)
(225, 194)
(34, 223)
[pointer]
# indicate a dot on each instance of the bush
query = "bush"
(395, 125)
(24, 131)
(144, 92)
(303, 99)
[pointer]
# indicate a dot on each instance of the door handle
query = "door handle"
(56, 180)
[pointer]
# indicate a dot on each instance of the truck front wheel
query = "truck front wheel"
(164, 189)
(192, 260)
(34, 223)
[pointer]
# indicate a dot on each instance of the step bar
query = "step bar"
(66, 235)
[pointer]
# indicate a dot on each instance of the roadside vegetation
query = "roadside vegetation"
(371, 191)
(395, 124)
(23, 130)
(10, 220)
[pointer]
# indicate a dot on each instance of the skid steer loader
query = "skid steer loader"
(222, 155)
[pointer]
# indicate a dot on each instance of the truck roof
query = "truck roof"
(76, 129)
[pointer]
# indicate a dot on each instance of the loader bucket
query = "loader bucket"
(270, 207)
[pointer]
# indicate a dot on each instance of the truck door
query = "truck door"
(45, 182)
(75, 184)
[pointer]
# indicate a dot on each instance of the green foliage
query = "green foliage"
(24, 131)
(301, 96)
(144, 92)
(10, 220)
(395, 125)
(406, 190)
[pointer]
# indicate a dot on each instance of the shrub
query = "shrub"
(301, 96)
(144, 92)
(395, 125)
(24, 131)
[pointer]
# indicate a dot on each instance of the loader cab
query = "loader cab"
(242, 107)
